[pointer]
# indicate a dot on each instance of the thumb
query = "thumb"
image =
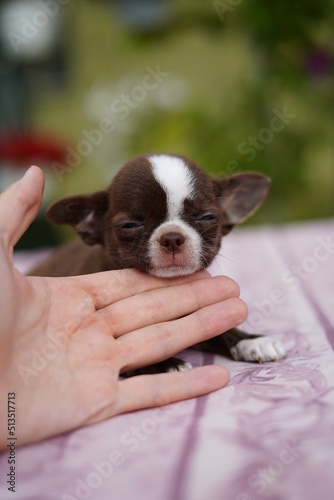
(19, 205)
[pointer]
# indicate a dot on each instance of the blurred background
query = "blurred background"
(237, 85)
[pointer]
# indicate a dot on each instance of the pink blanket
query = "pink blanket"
(268, 435)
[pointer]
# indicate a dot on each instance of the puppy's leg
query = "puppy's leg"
(239, 345)
(169, 365)
(243, 346)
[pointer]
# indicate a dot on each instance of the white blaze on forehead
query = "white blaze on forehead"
(176, 179)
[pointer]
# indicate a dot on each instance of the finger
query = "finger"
(156, 306)
(19, 205)
(111, 286)
(158, 342)
(147, 391)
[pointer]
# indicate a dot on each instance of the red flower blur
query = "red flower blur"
(31, 147)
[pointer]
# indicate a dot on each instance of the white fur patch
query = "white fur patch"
(261, 349)
(186, 262)
(176, 179)
(181, 367)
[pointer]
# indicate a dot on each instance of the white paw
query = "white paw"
(180, 367)
(261, 349)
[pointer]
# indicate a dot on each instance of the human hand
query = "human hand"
(64, 341)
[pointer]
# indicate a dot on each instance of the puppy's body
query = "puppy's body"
(88, 260)
(162, 214)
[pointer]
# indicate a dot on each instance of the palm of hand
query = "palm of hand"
(68, 363)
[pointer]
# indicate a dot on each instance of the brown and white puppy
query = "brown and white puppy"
(162, 214)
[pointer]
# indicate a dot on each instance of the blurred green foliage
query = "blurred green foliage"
(232, 68)
(292, 51)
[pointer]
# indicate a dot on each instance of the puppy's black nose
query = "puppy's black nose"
(172, 242)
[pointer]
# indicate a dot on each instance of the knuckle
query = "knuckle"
(239, 309)
(229, 286)
(195, 295)
(155, 307)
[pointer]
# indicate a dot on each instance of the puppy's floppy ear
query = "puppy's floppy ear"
(84, 213)
(239, 196)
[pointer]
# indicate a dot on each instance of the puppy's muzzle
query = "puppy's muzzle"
(172, 242)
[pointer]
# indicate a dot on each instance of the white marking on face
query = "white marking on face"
(178, 182)
(176, 179)
(188, 261)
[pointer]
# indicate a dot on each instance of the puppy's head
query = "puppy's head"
(162, 214)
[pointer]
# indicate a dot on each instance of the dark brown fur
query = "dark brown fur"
(115, 224)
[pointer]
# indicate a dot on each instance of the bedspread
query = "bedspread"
(269, 434)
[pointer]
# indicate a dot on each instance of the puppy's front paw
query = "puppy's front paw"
(177, 365)
(169, 365)
(259, 349)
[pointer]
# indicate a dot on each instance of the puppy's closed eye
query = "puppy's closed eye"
(208, 217)
(130, 225)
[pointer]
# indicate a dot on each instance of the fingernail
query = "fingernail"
(27, 173)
